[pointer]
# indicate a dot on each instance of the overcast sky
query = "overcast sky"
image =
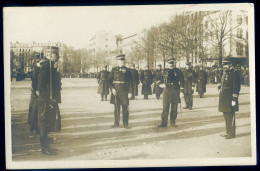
(75, 25)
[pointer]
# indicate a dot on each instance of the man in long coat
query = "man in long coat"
(201, 81)
(33, 106)
(147, 80)
(103, 88)
(172, 83)
(134, 87)
(189, 85)
(119, 81)
(49, 86)
(157, 90)
(229, 89)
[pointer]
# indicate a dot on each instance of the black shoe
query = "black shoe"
(173, 125)
(126, 126)
(115, 125)
(161, 126)
(52, 149)
(101, 99)
(48, 152)
(190, 108)
(223, 135)
(185, 107)
(229, 137)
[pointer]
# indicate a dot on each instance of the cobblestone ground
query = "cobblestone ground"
(87, 134)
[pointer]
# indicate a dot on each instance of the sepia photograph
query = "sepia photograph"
(129, 86)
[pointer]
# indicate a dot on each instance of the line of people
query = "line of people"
(173, 83)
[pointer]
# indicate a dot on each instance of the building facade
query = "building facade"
(25, 51)
(225, 35)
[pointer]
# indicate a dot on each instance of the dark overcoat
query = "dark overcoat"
(201, 81)
(33, 106)
(134, 87)
(49, 118)
(103, 84)
(123, 75)
(189, 79)
(173, 80)
(147, 80)
(229, 91)
(158, 78)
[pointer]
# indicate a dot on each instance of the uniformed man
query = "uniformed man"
(228, 96)
(147, 80)
(134, 87)
(189, 85)
(157, 90)
(49, 86)
(103, 88)
(201, 81)
(33, 110)
(120, 80)
(172, 82)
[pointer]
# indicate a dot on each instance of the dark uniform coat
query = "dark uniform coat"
(158, 78)
(189, 79)
(147, 80)
(47, 115)
(201, 81)
(33, 106)
(103, 84)
(124, 75)
(229, 90)
(173, 80)
(134, 87)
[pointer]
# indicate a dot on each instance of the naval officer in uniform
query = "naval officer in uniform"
(120, 80)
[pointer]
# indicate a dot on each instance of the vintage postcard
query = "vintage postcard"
(129, 86)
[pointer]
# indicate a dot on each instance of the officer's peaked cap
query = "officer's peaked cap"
(120, 57)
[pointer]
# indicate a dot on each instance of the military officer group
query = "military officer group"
(171, 82)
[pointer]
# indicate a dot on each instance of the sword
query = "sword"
(117, 112)
(233, 121)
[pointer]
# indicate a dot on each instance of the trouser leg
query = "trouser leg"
(105, 97)
(186, 99)
(165, 113)
(174, 112)
(228, 119)
(116, 114)
(125, 114)
(102, 97)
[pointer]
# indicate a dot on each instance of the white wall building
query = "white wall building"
(234, 25)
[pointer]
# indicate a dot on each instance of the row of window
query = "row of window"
(239, 21)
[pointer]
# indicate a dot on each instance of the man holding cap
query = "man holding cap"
(120, 80)
(172, 82)
(189, 85)
(228, 96)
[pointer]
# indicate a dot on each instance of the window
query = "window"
(239, 33)
(239, 19)
(240, 48)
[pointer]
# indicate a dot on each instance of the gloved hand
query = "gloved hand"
(162, 85)
(233, 103)
(114, 92)
(37, 93)
(181, 95)
(129, 95)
